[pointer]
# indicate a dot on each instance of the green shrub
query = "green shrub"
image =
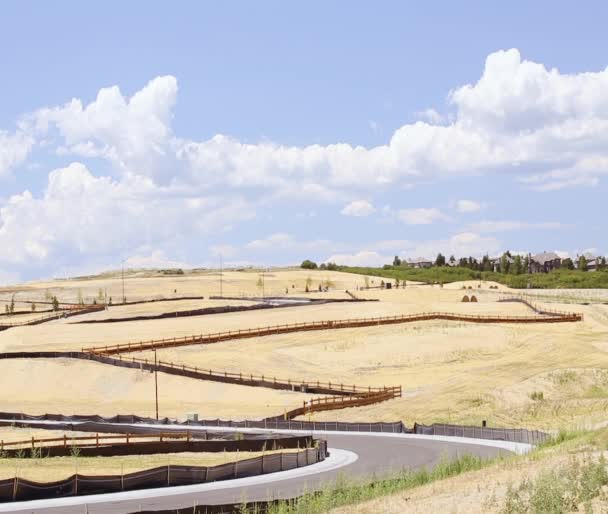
(560, 278)
(558, 491)
(537, 396)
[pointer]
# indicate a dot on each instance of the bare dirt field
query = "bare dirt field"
(545, 375)
(50, 469)
(82, 387)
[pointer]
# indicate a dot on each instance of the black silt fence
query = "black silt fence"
(521, 435)
(91, 449)
(18, 489)
(515, 435)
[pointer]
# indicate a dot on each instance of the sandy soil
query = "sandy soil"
(151, 309)
(65, 335)
(482, 491)
(140, 285)
(10, 433)
(80, 387)
(48, 469)
(452, 372)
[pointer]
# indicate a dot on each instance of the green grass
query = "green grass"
(348, 491)
(578, 481)
(559, 491)
(557, 279)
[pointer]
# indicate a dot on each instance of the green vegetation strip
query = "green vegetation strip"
(557, 279)
(554, 491)
(349, 492)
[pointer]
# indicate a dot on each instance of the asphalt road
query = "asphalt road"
(377, 454)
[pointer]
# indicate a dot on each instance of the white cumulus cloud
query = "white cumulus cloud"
(14, 149)
(420, 216)
(358, 208)
(467, 206)
(510, 225)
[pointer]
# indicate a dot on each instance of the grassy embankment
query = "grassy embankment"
(566, 474)
(557, 279)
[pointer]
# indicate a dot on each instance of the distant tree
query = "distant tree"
(517, 268)
(308, 264)
(323, 266)
(55, 304)
(567, 263)
(452, 260)
(366, 281)
(308, 284)
(396, 283)
(80, 297)
(33, 307)
(327, 283)
(526, 264)
(582, 263)
(100, 294)
(396, 261)
(463, 262)
(504, 263)
(486, 264)
(440, 260)
(12, 306)
(332, 266)
(601, 265)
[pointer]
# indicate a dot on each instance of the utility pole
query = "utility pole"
(156, 382)
(122, 263)
(221, 289)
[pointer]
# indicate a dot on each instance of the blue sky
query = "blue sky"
(273, 132)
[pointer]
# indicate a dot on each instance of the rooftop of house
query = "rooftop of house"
(541, 258)
(419, 260)
(589, 256)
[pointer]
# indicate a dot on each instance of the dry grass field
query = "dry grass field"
(48, 469)
(545, 376)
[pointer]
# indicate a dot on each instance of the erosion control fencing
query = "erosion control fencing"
(542, 311)
(516, 435)
(228, 508)
(18, 489)
(67, 313)
(223, 309)
(145, 444)
(503, 434)
(342, 396)
(158, 344)
(134, 430)
(91, 423)
(341, 402)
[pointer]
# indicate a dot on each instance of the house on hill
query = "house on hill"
(496, 262)
(544, 262)
(420, 263)
(593, 261)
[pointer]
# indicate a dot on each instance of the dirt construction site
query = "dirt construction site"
(511, 374)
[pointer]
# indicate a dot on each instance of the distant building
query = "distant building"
(544, 262)
(592, 261)
(495, 262)
(420, 263)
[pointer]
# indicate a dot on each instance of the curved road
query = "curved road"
(351, 454)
